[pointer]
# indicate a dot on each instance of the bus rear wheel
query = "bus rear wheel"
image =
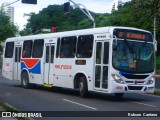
(83, 88)
(25, 80)
(118, 95)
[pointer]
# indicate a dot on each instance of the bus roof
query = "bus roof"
(99, 30)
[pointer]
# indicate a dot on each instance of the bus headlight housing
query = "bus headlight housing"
(151, 80)
(117, 78)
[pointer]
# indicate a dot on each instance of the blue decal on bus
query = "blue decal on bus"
(123, 64)
(125, 73)
(35, 70)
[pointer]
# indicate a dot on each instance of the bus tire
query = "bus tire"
(83, 88)
(118, 95)
(25, 80)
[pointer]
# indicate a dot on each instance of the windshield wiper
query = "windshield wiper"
(129, 47)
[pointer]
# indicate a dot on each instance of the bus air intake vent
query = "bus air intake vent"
(129, 76)
(135, 87)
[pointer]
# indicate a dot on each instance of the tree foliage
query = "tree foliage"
(6, 28)
(136, 13)
(53, 16)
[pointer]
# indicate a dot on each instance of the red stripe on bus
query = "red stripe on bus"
(30, 62)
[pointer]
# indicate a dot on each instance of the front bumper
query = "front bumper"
(132, 88)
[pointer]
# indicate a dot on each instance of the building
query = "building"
(113, 7)
(117, 4)
(9, 10)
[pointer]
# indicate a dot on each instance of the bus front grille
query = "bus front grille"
(135, 87)
(128, 76)
(135, 82)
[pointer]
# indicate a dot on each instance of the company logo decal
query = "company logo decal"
(32, 65)
(63, 66)
(119, 87)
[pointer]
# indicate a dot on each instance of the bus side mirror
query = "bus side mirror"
(114, 46)
(155, 45)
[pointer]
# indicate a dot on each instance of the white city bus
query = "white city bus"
(109, 60)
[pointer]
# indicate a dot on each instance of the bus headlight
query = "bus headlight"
(151, 80)
(117, 78)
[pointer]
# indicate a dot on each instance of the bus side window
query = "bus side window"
(9, 49)
(58, 47)
(27, 49)
(85, 46)
(38, 48)
(68, 47)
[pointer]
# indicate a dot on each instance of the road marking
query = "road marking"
(143, 104)
(80, 104)
(151, 95)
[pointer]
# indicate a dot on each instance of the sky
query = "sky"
(97, 6)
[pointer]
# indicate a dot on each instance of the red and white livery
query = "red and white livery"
(108, 59)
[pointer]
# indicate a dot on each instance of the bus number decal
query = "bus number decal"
(63, 67)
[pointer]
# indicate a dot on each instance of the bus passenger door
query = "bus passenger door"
(101, 65)
(48, 63)
(17, 67)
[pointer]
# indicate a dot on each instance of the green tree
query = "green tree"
(136, 13)
(149, 10)
(102, 20)
(53, 16)
(6, 28)
(25, 32)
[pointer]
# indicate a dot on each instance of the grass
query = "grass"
(158, 63)
(9, 108)
(157, 91)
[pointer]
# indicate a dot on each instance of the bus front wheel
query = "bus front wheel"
(25, 80)
(83, 87)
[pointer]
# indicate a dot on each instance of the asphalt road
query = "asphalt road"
(44, 99)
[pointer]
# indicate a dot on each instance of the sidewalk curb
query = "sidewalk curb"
(157, 76)
(4, 107)
(7, 107)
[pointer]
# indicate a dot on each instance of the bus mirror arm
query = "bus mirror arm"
(114, 46)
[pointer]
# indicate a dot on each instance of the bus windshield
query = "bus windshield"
(132, 56)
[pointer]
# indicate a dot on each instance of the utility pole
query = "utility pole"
(25, 14)
(10, 3)
(154, 37)
(86, 12)
(154, 27)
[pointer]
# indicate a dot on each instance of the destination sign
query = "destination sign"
(133, 35)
